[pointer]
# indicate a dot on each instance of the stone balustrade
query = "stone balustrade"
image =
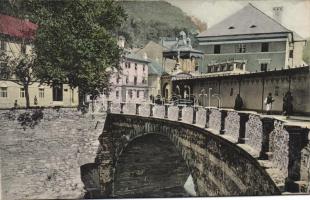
(281, 148)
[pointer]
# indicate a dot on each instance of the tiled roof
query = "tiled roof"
(16, 27)
(248, 20)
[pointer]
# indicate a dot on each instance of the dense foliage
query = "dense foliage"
(152, 20)
(76, 42)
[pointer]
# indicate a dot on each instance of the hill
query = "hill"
(150, 20)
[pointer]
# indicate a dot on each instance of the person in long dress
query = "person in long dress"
(268, 101)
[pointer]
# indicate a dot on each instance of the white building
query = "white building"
(249, 40)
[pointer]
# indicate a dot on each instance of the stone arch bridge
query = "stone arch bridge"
(150, 150)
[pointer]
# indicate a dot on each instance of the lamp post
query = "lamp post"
(218, 98)
(210, 96)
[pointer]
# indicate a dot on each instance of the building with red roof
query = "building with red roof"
(16, 37)
(17, 28)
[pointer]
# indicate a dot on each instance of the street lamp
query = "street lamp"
(210, 96)
(206, 95)
(218, 98)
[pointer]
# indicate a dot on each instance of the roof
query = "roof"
(182, 48)
(248, 20)
(16, 27)
(152, 50)
(283, 72)
(155, 68)
(136, 57)
(297, 37)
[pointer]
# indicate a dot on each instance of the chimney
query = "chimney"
(121, 41)
(277, 13)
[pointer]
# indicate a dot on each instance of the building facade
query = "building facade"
(16, 36)
(250, 41)
(130, 84)
(221, 91)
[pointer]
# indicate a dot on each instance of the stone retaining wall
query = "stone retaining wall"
(44, 162)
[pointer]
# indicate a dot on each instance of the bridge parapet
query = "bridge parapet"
(283, 150)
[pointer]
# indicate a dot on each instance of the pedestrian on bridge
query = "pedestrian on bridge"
(268, 102)
(287, 104)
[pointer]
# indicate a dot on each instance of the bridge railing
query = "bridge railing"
(276, 144)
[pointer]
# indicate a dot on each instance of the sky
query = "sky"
(296, 13)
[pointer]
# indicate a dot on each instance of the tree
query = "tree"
(21, 67)
(76, 42)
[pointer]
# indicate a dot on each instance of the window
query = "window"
(136, 66)
(241, 48)
(253, 26)
(209, 69)
(127, 64)
(127, 80)
(135, 80)
(22, 92)
(2, 45)
(23, 48)
(117, 94)
(57, 92)
(263, 67)
(118, 79)
(138, 93)
(41, 92)
(144, 81)
(217, 49)
(130, 94)
(291, 53)
(231, 27)
(145, 94)
(143, 67)
(265, 47)
(3, 92)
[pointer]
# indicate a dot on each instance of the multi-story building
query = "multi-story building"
(16, 37)
(250, 41)
(130, 84)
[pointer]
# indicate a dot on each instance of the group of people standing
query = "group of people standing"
(287, 108)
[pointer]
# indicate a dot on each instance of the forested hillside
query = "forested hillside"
(151, 20)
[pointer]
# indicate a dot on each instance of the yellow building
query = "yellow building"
(15, 39)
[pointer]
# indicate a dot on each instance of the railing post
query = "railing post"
(166, 110)
(223, 116)
(122, 107)
(194, 114)
(109, 107)
(180, 113)
(137, 108)
(244, 117)
(268, 127)
(208, 112)
(151, 110)
(298, 139)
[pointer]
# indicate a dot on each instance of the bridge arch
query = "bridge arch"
(151, 166)
(218, 166)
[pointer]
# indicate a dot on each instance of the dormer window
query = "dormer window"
(231, 27)
(253, 26)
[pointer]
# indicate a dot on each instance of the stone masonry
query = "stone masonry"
(44, 162)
